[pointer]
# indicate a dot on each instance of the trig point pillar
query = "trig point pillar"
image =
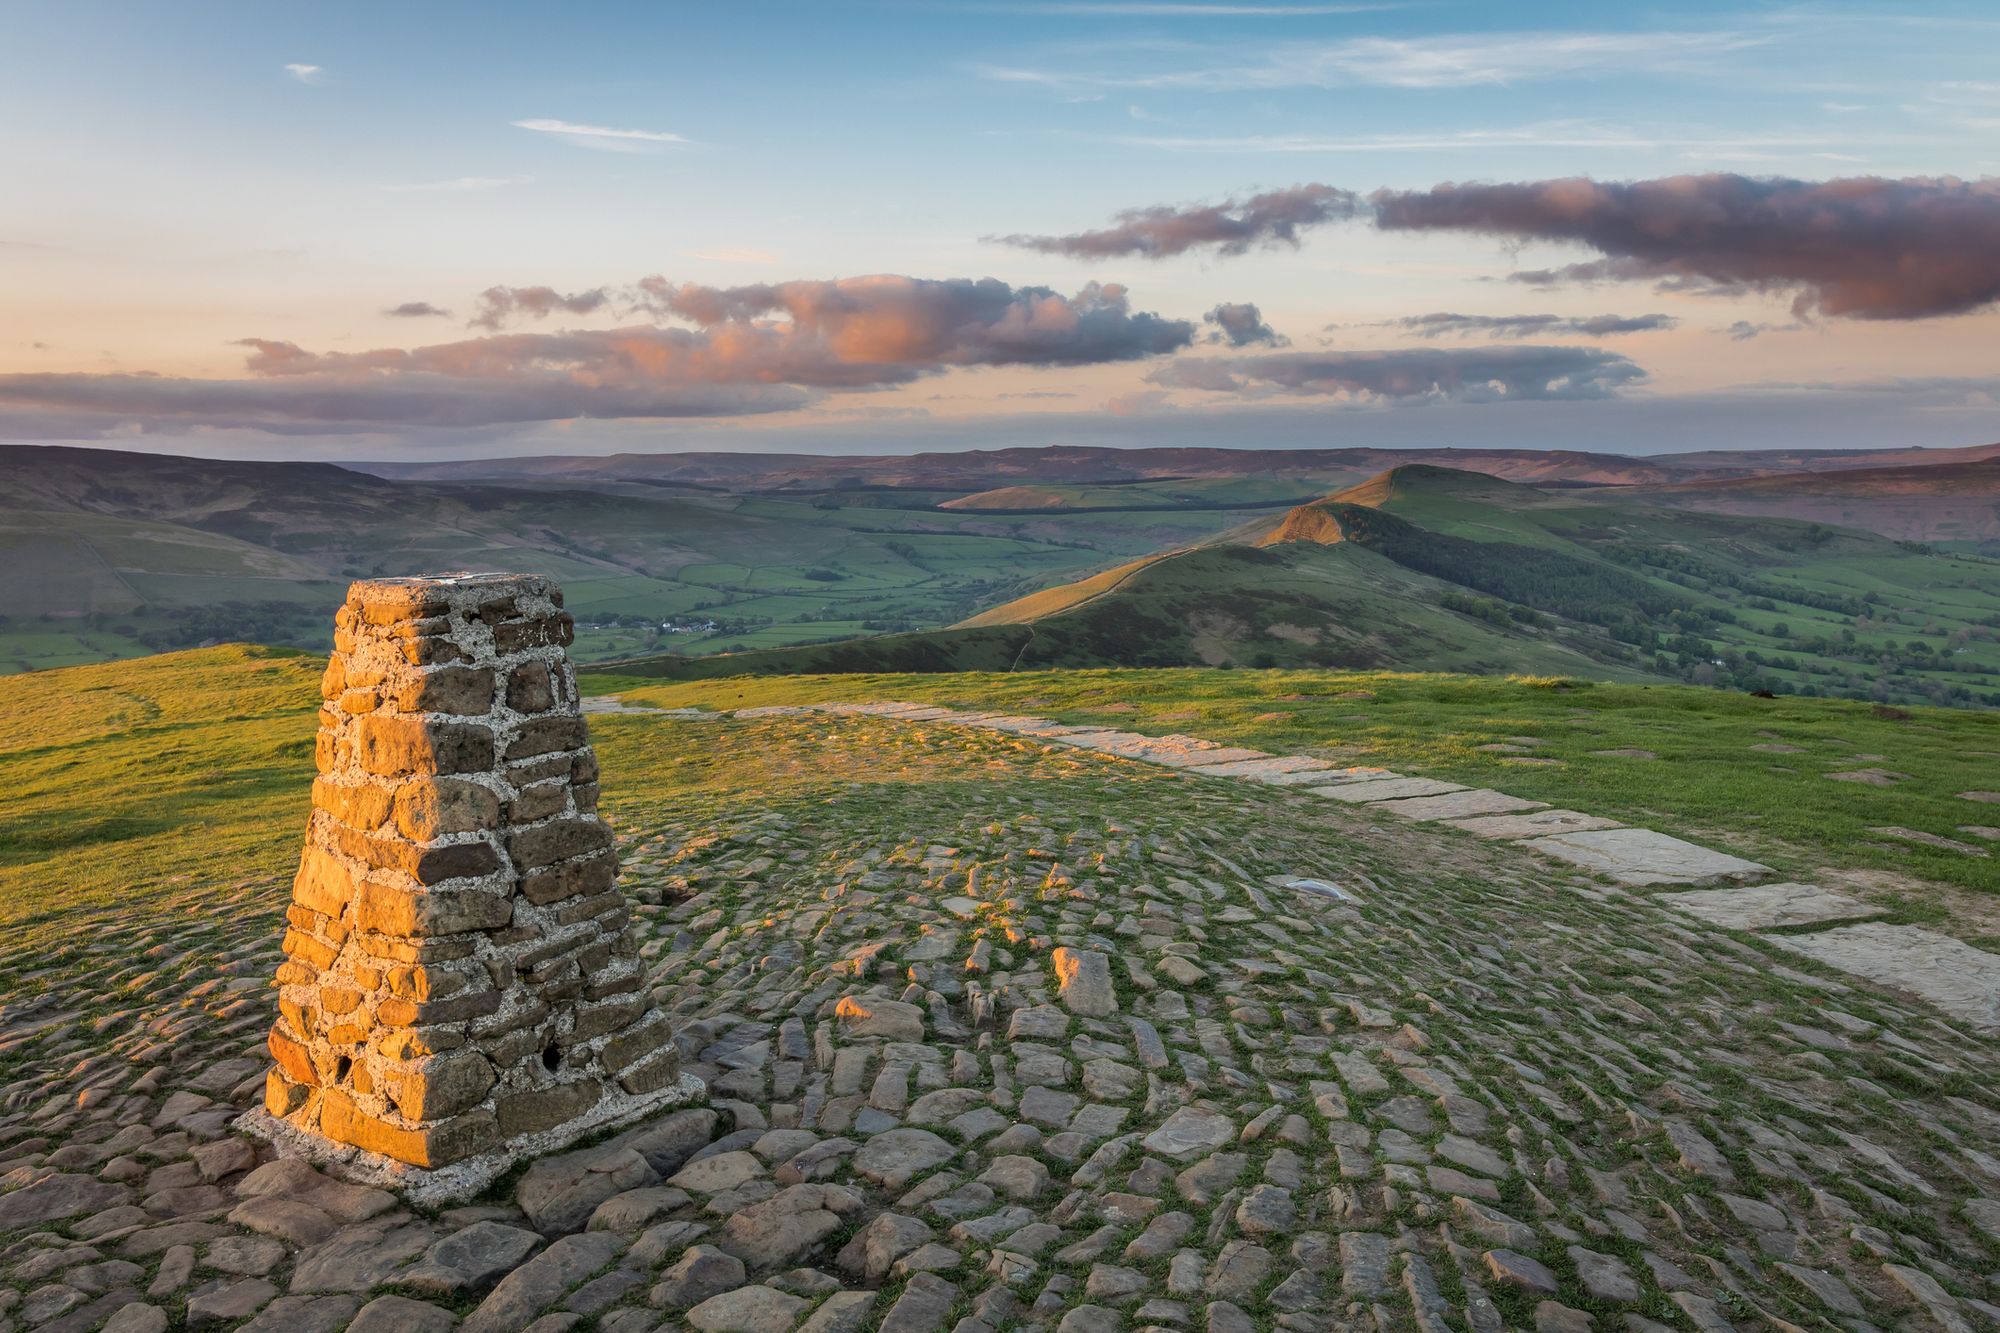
(461, 986)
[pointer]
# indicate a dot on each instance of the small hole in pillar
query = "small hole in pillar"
(341, 1068)
(551, 1057)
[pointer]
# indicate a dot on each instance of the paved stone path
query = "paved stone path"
(1004, 1031)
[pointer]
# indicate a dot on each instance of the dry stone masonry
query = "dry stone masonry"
(461, 984)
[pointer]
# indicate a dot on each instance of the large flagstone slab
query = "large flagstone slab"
(1533, 824)
(1387, 789)
(1769, 906)
(1459, 804)
(1640, 857)
(1962, 981)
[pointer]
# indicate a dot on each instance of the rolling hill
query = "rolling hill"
(971, 472)
(116, 554)
(1427, 568)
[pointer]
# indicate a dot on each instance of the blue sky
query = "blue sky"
(188, 177)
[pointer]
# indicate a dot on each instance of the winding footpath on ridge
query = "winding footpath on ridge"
(1009, 1025)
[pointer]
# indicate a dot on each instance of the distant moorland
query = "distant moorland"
(1865, 574)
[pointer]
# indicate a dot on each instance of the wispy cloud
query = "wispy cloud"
(604, 137)
(306, 73)
(1229, 228)
(416, 310)
(1487, 374)
(1452, 60)
(499, 305)
(1532, 326)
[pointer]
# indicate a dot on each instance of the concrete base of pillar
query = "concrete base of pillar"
(432, 1187)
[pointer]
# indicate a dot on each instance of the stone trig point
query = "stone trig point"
(461, 986)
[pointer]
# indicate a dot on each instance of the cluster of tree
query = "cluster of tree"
(1492, 612)
(1553, 581)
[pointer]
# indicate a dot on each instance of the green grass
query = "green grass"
(126, 781)
(1708, 782)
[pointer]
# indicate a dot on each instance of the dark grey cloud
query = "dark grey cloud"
(1228, 228)
(1859, 247)
(767, 348)
(1241, 324)
(1863, 247)
(1482, 374)
(498, 305)
(1533, 326)
(416, 310)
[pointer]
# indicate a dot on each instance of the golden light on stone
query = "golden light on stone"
(461, 984)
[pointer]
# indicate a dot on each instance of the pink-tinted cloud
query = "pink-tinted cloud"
(751, 349)
(1863, 247)
(1228, 228)
(498, 305)
(417, 310)
(1482, 374)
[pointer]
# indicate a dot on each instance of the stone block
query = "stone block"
(540, 1109)
(528, 688)
(394, 909)
(462, 690)
(430, 808)
(392, 745)
(434, 1144)
(439, 1086)
(545, 735)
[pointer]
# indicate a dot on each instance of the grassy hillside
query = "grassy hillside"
(1774, 603)
(1748, 774)
(122, 554)
(1341, 607)
(1434, 569)
(129, 781)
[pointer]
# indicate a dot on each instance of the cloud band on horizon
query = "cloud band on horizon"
(1860, 247)
(762, 348)
(1486, 374)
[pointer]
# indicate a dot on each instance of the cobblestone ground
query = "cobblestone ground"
(1003, 1035)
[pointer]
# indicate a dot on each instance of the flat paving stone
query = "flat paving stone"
(1259, 769)
(1962, 981)
(1387, 789)
(1769, 906)
(1641, 857)
(1533, 824)
(1460, 804)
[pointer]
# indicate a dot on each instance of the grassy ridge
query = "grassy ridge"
(1709, 780)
